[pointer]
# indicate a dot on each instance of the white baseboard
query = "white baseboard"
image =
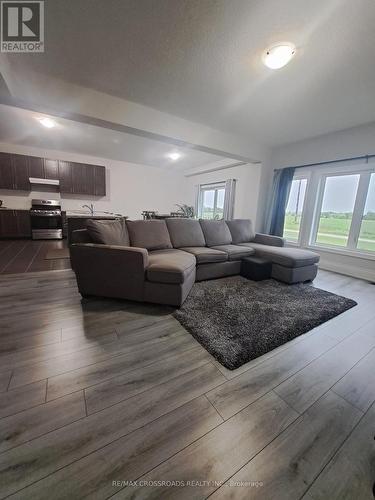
(348, 270)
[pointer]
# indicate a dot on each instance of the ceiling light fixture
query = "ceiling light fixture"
(279, 55)
(47, 122)
(174, 156)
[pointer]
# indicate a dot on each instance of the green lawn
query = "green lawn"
(333, 231)
(291, 227)
(208, 213)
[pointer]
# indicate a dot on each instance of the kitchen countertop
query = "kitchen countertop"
(4, 209)
(96, 215)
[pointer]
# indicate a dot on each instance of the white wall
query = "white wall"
(247, 187)
(347, 143)
(131, 188)
(351, 142)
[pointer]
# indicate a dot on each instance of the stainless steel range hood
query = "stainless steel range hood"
(48, 182)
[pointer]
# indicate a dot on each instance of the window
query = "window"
(211, 201)
(366, 239)
(294, 209)
(336, 214)
(333, 207)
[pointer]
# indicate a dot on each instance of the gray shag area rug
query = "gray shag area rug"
(238, 320)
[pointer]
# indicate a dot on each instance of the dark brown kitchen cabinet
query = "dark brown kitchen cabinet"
(99, 181)
(20, 173)
(66, 177)
(89, 179)
(78, 176)
(23, 224)
(75, 178)
(14, 172)
(36, 167)
(51, 169)
(15, 224)
(6, 174)
(8, 224)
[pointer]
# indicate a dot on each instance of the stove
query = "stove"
(46, 220)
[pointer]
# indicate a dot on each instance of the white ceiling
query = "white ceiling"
(19, 126)
(201, 60)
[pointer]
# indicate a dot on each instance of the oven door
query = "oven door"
(46, 227)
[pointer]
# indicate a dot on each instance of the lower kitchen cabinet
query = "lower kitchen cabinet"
(15, 224)
(23, 224)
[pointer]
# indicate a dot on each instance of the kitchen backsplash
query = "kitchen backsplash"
(23, 201)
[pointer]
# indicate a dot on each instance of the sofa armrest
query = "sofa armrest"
(268, 239)
(109, 270)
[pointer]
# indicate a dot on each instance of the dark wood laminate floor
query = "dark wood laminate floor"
(103, 398)
(28, 256)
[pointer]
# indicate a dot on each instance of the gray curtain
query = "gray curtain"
(282, 182)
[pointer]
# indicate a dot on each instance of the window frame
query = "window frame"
(358, 208)
(299, 177)
(318, 211)
(213, 186)
(316, 179)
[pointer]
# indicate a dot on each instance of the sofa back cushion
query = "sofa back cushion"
(108, 232)
(185, 233)
(241, 230)
(216, 232)
(150, 234)
(81, 236)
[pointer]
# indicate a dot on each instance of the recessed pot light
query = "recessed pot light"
(174, 156)
(279, 55)
(47, 122)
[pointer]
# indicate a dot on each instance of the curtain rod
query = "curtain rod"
(364, 157)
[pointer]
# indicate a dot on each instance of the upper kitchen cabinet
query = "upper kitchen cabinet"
(14, 172)
(51, 169)
(36, 167)
(99, 181)
(43, 168)
(88, 179)
(66, 177)
(75, 178)
(20, 173)
(6, 174)
(78, 176)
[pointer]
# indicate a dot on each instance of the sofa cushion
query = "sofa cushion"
(170, 266)
(206, 255)
(150, 234)
(235, 252)
(185, 233)
(216, 232)
(241, 230)
(285, 256)
(108, 232)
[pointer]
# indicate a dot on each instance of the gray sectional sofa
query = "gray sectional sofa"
(159, 261)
